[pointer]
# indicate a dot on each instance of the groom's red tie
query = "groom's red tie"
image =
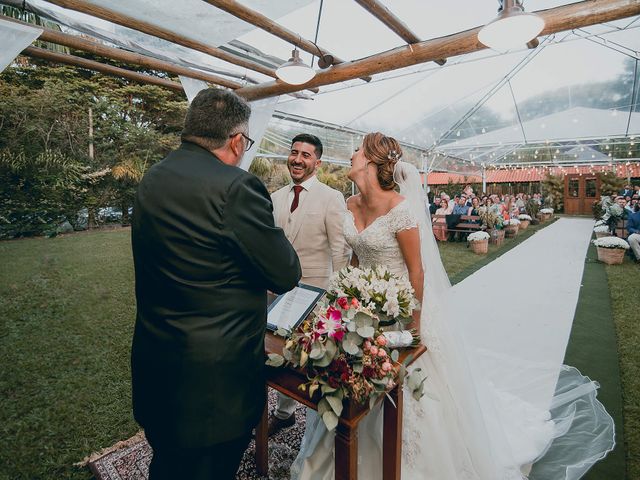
(296, 197)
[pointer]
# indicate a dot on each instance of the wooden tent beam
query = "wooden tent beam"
(79, 43)
(558, 19)
(156, 31)
(382, 13)
(257, 19)
(100, 67)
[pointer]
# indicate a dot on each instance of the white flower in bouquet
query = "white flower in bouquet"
(611, 242)
(478, 236)
(513, 221)
(546, 210)
(601, 229)
(615, 210)
(600, 222)
(524, 217)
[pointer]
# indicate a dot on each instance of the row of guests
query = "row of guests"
(628, 203)
(507, 206)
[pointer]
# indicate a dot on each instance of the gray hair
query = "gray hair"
(214, 115)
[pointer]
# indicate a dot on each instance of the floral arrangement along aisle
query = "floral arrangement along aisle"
(525, 220)
(342, 346)
(611, 250)
(479, 242)
(493, 223)
(511, 227)
(545, 214)
(602, 231)
(613, 213)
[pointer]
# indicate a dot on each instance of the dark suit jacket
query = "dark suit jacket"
(205, 252)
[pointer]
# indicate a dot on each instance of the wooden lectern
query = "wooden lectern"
(287, 380)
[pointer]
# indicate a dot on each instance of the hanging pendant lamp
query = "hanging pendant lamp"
(295, 71)
(512, 28)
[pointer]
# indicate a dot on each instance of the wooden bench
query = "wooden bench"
(467, 224)
(621, 228)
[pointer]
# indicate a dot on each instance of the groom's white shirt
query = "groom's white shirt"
(314, 228)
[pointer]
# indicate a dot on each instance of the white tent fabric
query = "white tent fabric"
(261, 112)
(192, 86)
(14, 38)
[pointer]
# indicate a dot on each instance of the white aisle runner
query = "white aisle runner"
(529, 296)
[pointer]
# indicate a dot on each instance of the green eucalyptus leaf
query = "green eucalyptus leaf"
(395, 355)
(336, 403)
(350, 348)
(330, 420)
(317, 352)
(275, 360)
(325, 361)
(366, 332)
(327, 389)
(323, 405)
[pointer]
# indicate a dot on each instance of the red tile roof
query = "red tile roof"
(532, 174)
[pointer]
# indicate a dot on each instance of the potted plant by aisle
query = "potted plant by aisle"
(492, 222)
(611, 250)
(511, 227)
(525, 220)
(479, 242)
(602, 231)
(545, 214)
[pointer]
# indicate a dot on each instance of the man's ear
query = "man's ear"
(236, 144)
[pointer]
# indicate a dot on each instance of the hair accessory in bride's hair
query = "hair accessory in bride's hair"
(393, 155)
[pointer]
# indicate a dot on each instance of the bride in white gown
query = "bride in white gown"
(463, 428)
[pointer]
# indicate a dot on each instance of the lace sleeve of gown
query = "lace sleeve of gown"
(402, 219)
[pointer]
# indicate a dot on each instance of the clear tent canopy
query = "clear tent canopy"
(578, 90)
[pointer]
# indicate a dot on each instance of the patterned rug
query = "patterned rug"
(129, 460)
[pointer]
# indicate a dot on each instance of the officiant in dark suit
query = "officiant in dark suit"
(205, 253)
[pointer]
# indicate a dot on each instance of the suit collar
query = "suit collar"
(192, 147)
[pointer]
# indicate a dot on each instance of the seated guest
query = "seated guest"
(475, 205)
(627, 190)
(440, 224)
(460, 208)
(633, 231)
(435, 205)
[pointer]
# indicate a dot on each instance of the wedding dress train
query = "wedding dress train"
(464, 428)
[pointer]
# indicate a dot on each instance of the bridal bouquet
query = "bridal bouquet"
(342, 347)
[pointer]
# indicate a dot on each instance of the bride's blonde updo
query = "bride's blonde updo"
(384, 152)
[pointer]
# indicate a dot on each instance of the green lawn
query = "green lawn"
(624, 286)
(65, 333)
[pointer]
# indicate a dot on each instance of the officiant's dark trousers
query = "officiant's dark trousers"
(219, 462)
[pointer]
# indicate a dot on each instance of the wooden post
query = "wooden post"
(346, 446)
(91, 133)
(392, 435)
(262, 442)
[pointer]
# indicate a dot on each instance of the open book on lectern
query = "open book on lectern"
(291, 308)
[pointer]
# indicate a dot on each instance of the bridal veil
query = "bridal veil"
(470, 426)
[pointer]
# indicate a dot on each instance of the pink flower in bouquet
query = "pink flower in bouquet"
(381, 340)
(373, 350)
(382, 353)
(344, 303)
(333, 325)
(366, 344)
(334, 314)
(386, 366)
(355, 303)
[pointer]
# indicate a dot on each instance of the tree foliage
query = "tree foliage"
(45, 119)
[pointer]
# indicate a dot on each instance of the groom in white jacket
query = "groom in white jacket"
(311, 215)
